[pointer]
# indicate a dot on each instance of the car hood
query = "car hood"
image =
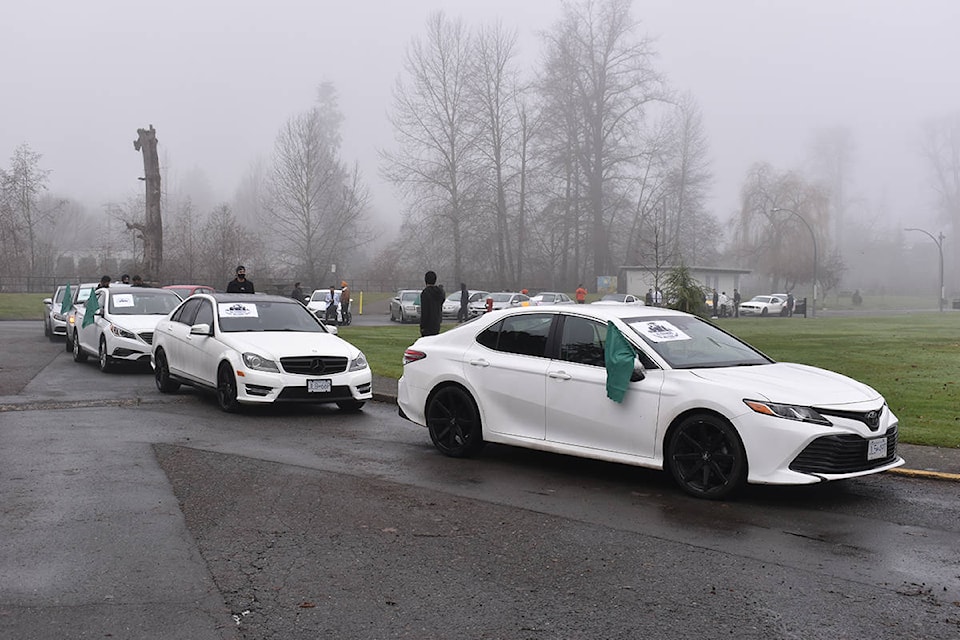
(138, 323)
(280, 344)
(789, 383)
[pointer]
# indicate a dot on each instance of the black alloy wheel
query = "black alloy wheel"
(706, 457)
(161, 374)
(454, 422)
(105, 362)
(227, 389)
(79, 355)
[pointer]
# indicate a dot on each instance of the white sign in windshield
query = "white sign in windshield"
(238, 310)
(659, 331)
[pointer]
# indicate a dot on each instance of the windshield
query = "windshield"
(614, 297)
(692, 343)
(501, 297)
(409, 296)
(83, 294)
(266, 316)
(760, 299)
(143, 302)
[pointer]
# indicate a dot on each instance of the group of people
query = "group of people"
(721, 304)
(125, 281)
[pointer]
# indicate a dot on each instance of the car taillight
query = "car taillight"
(412, 355)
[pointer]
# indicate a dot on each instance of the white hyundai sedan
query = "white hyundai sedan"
(257, 349)
(122, 326)
(695, 400)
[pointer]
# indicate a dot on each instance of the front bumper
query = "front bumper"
(262, 387)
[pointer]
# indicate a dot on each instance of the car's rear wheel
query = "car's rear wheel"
(227, 389)
(454, 422)
(79, 355)
(161, 373)
(351, 405)
(105, 362)
(706, 457)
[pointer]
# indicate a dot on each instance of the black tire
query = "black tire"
(161, 374)
(350, 405)
(706, 457)
(403, 317)
(104, 361)
(67, 341)
(227, 389)
(79, 355)
(47, 332)
(454, 422)
(763, 312)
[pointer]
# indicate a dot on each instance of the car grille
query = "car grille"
(300, 394)
(314, 365)
(845, 453)
(869, 418)
(147, 336)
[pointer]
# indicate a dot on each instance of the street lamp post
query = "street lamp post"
(813, 237)
(938, 239)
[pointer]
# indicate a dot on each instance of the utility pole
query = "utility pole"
(152, 228)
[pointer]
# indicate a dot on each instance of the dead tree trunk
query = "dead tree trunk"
(152, 228)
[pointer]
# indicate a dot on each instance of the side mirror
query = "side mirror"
(202, 329)
(639, 373)
(48, 301)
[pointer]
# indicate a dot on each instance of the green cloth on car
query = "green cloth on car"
(619, 356)
(92, 306)
(67, 300)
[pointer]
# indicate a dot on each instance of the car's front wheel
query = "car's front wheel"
(79, 355)
(227, 389)
(763, 312)
(46, 328)
(350, 405)
(706, 457)
(161, 373)
(454, 422)
(105, 362)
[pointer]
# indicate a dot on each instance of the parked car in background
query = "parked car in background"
(74, 316)
(451, 306)
(550, 297)
(697, 402)
(318, 305)
(257, 350)
(55, 322)
(405, 306)
(501, 300)
(620, 298)
(769, 305)
(123, 326)
(187, 290)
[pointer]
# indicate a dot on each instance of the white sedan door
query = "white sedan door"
(507, 369)
(198, 350)
(578, 410)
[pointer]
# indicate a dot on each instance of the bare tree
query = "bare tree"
(151, 228)
(612, 78)
(435, 165)
(941, 150)
(316, 207)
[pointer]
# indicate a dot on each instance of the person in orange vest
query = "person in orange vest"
(581, 295)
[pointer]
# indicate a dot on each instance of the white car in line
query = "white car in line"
(55, 322)
(695, 400)
(501, 300)
(257, 350)
(123, 325)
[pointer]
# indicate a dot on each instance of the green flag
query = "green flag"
(93, 305)
(618, 355)
(67, 299)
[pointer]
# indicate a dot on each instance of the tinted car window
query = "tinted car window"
(525, 334)
(187, 312)
(582, 341)
(204, 313)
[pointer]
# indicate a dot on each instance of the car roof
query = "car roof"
(186, 286)
(600, 312)
(246, 297)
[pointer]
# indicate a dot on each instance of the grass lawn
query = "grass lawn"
(22, 306)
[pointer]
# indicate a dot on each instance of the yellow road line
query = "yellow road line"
(933, 475)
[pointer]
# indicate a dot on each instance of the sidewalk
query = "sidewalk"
(921, 462)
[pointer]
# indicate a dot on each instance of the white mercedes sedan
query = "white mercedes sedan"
(257, 349)
(645, 386)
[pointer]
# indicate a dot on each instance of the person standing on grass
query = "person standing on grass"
(431, 305)
(581, 294)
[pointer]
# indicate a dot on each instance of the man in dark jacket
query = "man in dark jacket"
(431, 305)
(240, 284)
(464, 314)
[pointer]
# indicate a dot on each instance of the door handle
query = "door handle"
(479, 363)
(560, 375)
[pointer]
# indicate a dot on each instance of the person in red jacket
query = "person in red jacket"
(581, 295)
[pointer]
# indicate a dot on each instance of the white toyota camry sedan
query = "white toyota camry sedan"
(257, 349)
(645, 386)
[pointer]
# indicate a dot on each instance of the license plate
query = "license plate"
(319, 386)
(876, 448)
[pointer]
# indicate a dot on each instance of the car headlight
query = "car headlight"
(788, 411)
(120, 332)
(359, 363)
(259, 363)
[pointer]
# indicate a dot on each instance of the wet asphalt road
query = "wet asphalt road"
(128, 514)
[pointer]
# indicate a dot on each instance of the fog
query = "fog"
(218, 78)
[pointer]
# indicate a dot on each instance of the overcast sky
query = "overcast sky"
(217, 78)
